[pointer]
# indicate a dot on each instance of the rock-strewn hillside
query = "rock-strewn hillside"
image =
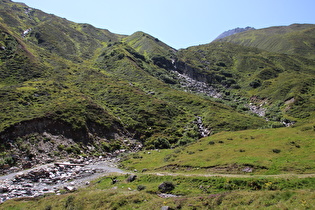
(97, 89)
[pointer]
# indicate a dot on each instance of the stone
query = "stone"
(19, 175)
(27, 165)
(6, 166)
(4, 189)
(247, 170)
(131, 178)
(70, 188)
(28, 185)
(166, 187)
(14, 169)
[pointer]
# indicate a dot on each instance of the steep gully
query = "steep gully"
(191, 81)
(198, 83)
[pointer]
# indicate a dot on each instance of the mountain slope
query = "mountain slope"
(268, 151)
(95, 88)
(294, 39)
(267, 79)
(53, 34)
(71, 90)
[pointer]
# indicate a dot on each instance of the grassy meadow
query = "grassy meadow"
(266, 151)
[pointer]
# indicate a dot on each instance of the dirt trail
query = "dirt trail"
(235, 175)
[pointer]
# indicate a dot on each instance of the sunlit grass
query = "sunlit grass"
(269, 151)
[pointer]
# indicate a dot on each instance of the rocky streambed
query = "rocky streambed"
(51, 178)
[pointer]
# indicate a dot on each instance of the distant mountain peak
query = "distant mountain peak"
(233, 31)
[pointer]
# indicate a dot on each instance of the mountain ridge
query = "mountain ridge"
(280, 39)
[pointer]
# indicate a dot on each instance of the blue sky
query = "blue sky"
(179, 23)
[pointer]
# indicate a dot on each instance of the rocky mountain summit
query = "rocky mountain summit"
(233, 31)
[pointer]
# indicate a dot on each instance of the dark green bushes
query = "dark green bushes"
(161, 143)
(255, 84)
(166, 187)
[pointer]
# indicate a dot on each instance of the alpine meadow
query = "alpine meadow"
(225, 125)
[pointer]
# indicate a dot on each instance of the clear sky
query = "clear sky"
(179, 23)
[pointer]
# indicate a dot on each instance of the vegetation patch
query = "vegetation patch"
(258, 149)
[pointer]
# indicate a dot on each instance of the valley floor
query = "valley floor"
(113, 189)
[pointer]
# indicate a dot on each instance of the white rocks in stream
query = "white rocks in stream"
(50, 178)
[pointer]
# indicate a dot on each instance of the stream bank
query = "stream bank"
(51, 178)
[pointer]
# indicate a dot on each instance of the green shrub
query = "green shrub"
(69, 204)
(183, 141)
(61, 147)
(211, 142)
(7, 160)
(141, 187)
(276, 150)
(106, 146)
(161, 143)
(255, 84)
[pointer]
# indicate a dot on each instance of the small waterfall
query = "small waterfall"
(202, 130)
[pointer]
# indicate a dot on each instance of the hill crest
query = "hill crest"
(234, 31)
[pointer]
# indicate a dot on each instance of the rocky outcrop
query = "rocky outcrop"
(58, 127)
(257, 109)
(38, 149)
(196, 86)
(233, 31)
(189, 78)
(162, 62)
(185, 69)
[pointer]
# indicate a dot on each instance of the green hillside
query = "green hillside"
(93, 86)
(280, 39)
(283, 84)
(264, 151)
(240, 110)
